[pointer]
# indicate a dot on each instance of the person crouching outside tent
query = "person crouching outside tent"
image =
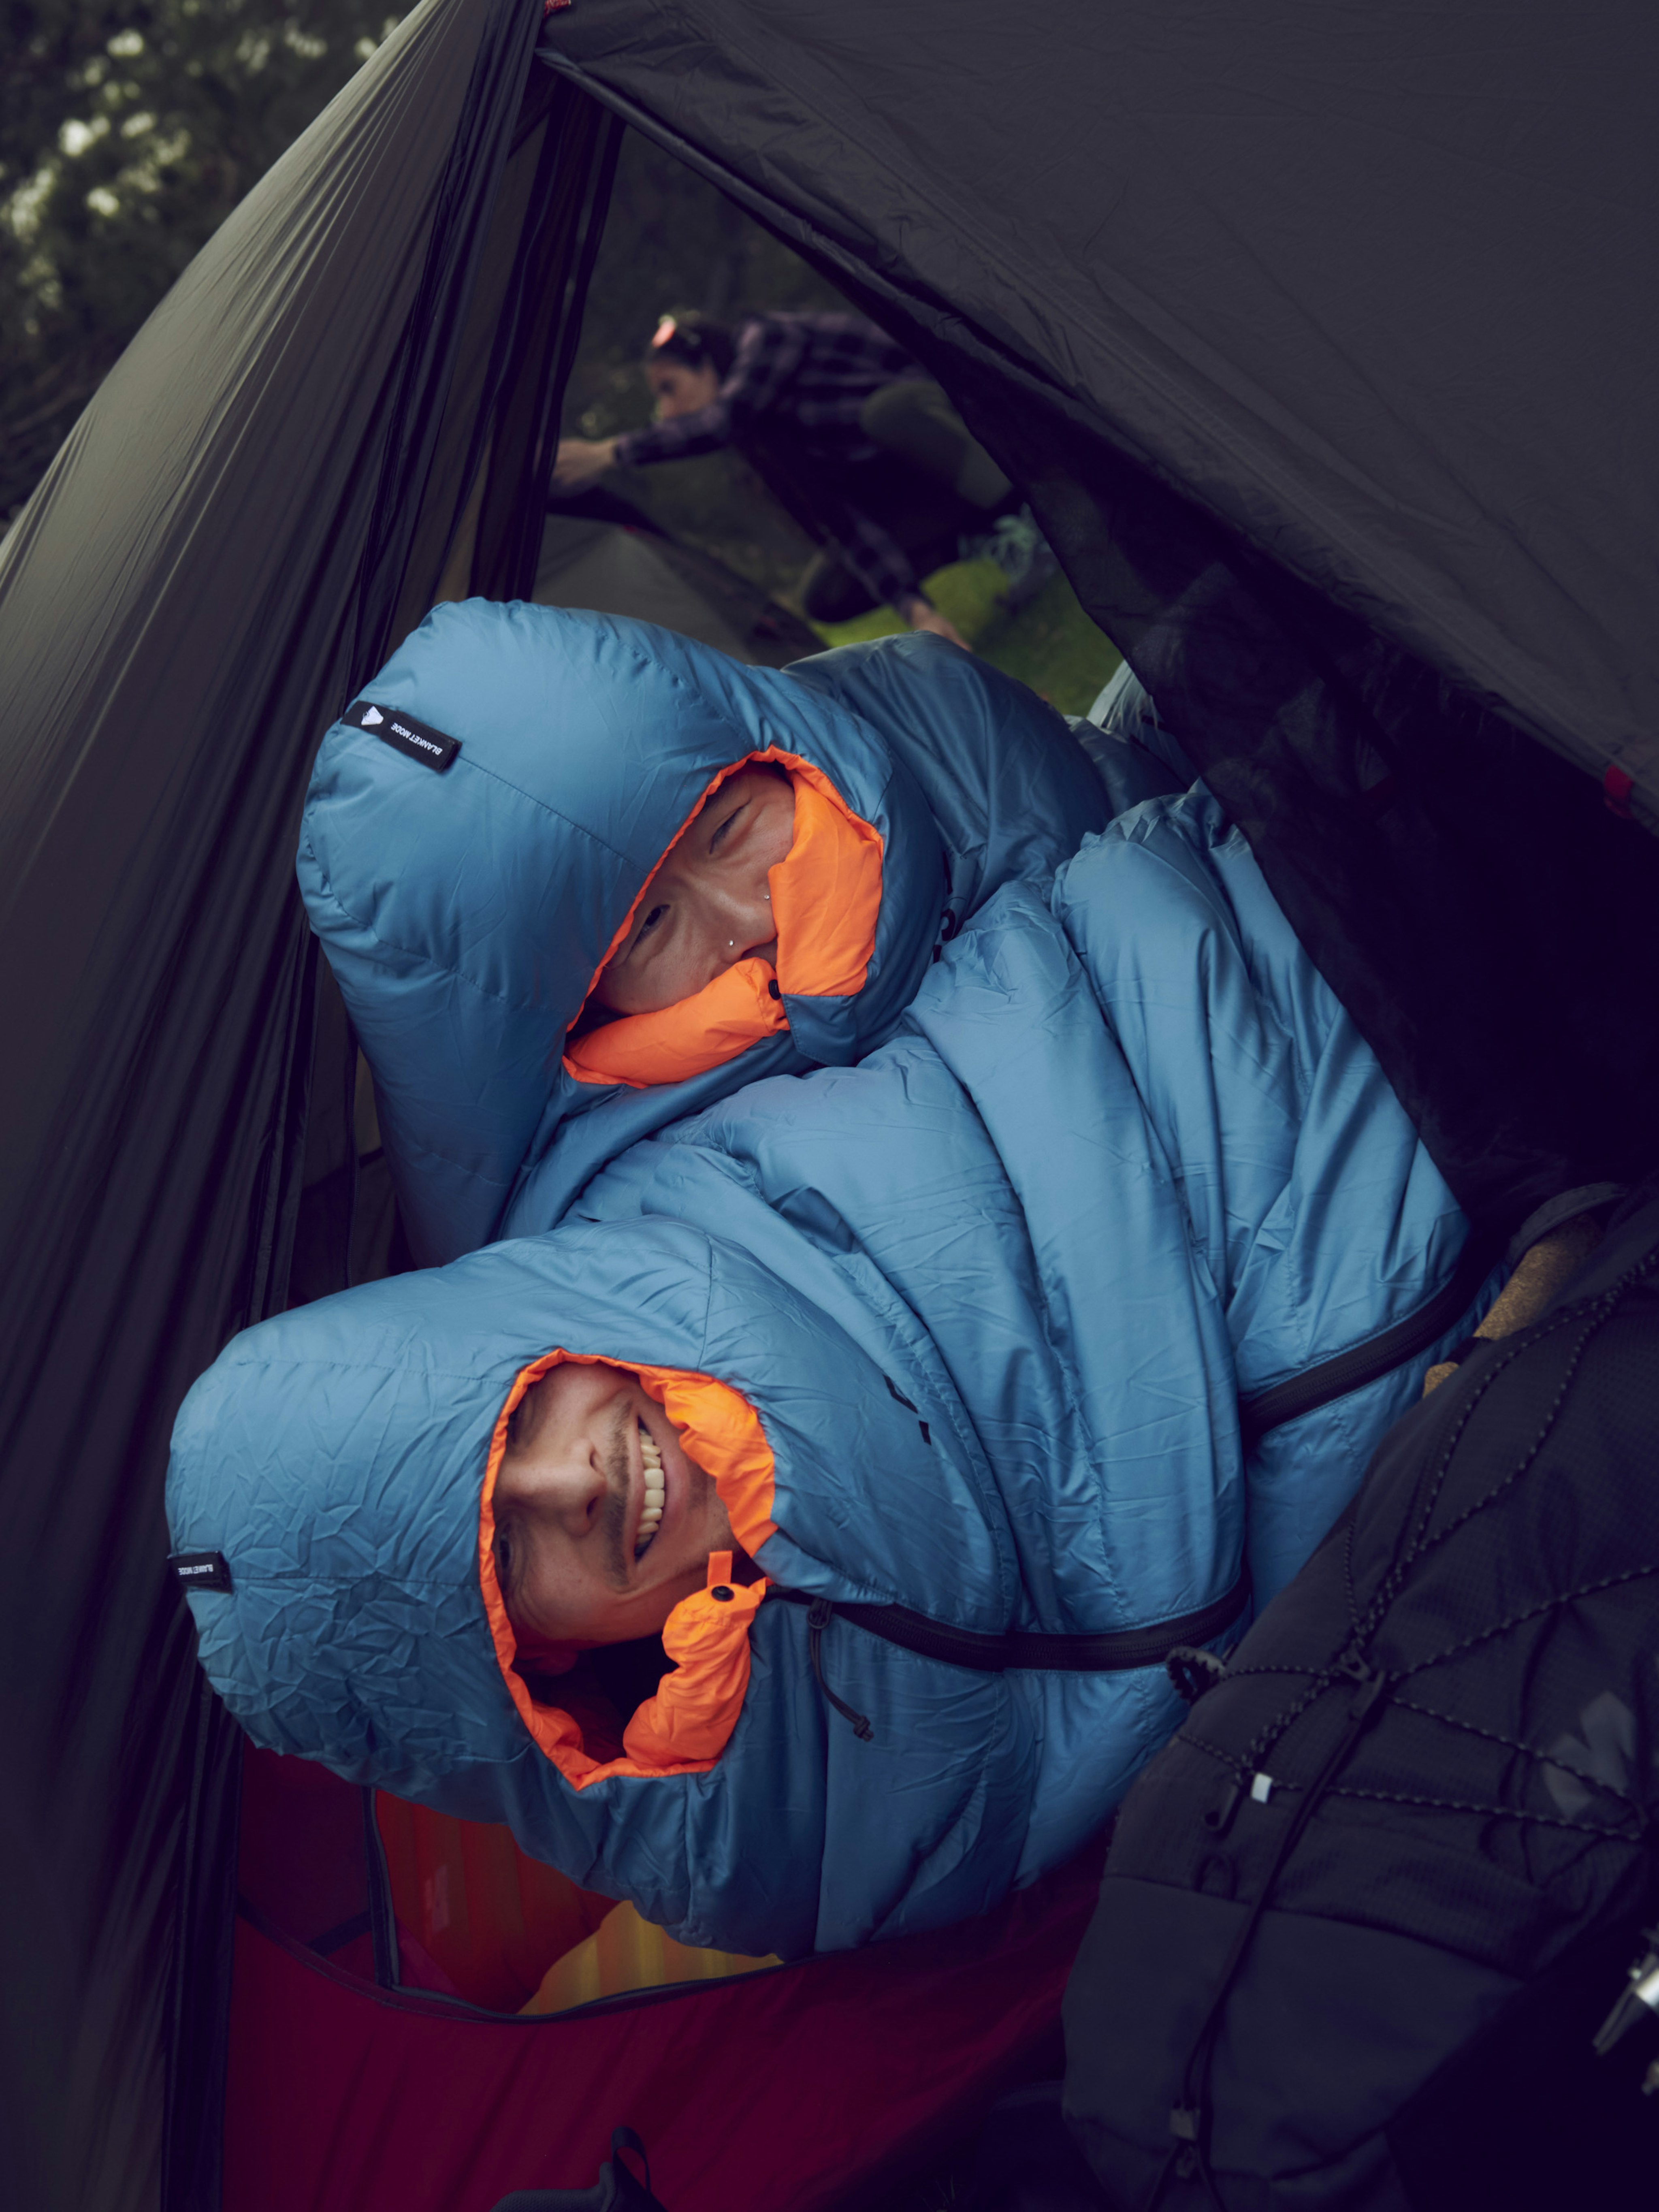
(847, 433)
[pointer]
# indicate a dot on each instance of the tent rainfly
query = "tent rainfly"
(1316, 334)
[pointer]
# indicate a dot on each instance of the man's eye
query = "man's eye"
(651, 921)
(715, 841)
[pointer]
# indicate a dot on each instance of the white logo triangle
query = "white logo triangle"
(371, 715)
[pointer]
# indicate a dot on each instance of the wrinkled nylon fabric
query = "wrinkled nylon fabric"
(736, 1009)
(1128, 1149)
(465, 914)
(1124, 1157)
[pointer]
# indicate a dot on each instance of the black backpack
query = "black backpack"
(1364, 1921)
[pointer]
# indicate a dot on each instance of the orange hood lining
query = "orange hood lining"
(826, 900)
(687, 1725)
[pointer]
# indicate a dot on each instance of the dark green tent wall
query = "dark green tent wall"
(260, 497)
(1319, 336)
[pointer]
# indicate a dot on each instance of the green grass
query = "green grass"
(1049, 643)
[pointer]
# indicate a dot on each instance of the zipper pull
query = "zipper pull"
(1220, 1817)
(819, 1614)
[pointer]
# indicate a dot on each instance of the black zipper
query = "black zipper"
(1121, 1650)
(1117, 1651)
(1124, 1649)
(1361, 1364)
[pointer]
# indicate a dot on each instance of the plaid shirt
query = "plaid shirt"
(807, 376)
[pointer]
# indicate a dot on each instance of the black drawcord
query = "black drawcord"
(819, 1614)
(1189, 2120)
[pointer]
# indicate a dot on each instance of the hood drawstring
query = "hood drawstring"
(948, 923)
(819, 1614)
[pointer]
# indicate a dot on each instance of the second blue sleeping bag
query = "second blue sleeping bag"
(1126, 1157)
(466, 883)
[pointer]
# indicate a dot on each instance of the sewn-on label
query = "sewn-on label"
(202, 1570)
(404, 733)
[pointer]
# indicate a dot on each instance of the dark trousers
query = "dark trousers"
(931, 485)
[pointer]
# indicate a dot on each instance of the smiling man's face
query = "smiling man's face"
(602, 1523)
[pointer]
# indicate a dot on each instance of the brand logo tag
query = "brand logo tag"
(404, 733)
(202, 1570)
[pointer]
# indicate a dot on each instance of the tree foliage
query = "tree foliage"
(129, 129)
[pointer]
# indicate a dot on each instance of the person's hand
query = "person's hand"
(582, 461)
(920, 616)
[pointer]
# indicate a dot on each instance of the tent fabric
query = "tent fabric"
(204, 572)
(1207, 235)
(465, 914)
(1319, 460)
(478, 1922)
(607, 566)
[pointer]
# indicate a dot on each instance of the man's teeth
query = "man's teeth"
(651, 1516)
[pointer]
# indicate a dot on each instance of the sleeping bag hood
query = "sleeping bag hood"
(482, 821)
(336, 1460)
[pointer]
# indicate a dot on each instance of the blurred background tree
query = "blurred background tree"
(129, 129)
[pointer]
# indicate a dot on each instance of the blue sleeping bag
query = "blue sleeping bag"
(1119, 1098)
(990, 1297)
(465, 897)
